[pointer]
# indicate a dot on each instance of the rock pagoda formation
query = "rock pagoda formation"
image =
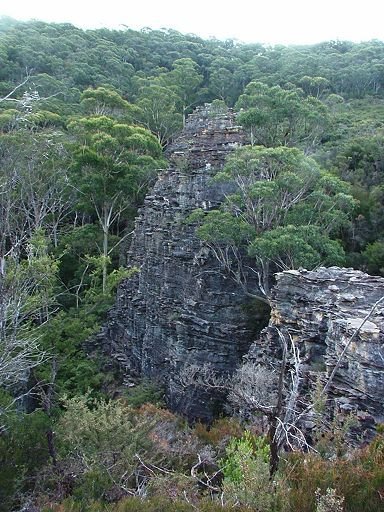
(180, 310)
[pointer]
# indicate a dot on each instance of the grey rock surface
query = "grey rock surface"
(179, 310)
(331, 314)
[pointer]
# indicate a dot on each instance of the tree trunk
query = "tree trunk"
(274, 456)
(105, 256)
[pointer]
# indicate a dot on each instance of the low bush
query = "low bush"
(359, 479)
(220, 432)
(146, 392)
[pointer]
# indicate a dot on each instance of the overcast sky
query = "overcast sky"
(266, 21)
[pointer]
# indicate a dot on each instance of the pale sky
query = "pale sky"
(264, 21)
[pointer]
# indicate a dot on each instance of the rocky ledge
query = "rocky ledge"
(335, 316)
(180, 310)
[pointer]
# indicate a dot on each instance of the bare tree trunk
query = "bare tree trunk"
(47, 404)
(274, 441)
(105, 251)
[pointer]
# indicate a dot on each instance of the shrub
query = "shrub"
(220, 432)
(174, 486)
(136, 504)
(329, 502)
(23, 451)
(101, 439)
(146, 392)
(360, 479)
(246, 473)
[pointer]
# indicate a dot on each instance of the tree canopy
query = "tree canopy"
(285, 212)
(84, 118)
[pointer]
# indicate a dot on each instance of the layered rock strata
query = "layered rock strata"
(335, 316)
(179, 309)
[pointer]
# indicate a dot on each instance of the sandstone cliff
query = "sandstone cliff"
(179, 309)
(332, 313)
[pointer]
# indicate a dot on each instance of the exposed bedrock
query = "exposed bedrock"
(335, 316)
(179, 309)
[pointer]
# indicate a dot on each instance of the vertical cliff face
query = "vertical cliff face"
(335, 316)
(179, 310)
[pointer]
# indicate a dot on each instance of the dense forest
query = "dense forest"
(85, 117)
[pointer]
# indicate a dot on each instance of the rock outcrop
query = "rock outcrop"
(334, 316)
(179, 310)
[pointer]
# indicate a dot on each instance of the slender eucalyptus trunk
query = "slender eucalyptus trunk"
(273, 435)
(105, 247)
(274, 448)
(47, 400)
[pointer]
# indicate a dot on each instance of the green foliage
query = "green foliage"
(185, 80)
(63, 337)
(89, 425)
(374, 257)
(222, 227)
(75, 168)
(246, 473)
(103, 437)
(104, 101)
(325, 98)
(26, 303)
(113, 164)
(95, 293)
(220, 432)
(146, 392)
(218, 107)
(34, 279)
(23, 451)
(291, 247)
(238, 450)
(361, 160)
(8, 119)
(357, 478)
(136, 504)
(157, 110)
(92, 485)
(277, 116)
(285, 212)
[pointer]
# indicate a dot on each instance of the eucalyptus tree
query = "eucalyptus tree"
(281, 117)
(222, 80)
(315, 86)
(113, 163)
(157, 110)
(34, 189)
(27, 300)
(284, 212)
(104, 101)
(185, 80)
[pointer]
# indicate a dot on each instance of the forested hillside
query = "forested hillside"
(85, 118)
